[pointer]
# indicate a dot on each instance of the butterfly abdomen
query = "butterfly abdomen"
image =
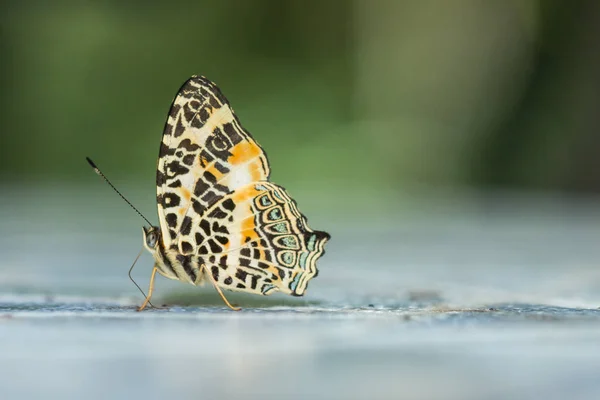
(174, 265)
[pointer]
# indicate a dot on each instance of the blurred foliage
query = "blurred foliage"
(377, 93)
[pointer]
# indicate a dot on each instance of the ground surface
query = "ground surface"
(459, 302)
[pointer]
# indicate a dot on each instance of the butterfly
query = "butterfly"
(221, 219)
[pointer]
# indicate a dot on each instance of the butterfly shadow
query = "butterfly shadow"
(207, 299)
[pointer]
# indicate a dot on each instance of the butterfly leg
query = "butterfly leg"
(219, 289)
(150, 290)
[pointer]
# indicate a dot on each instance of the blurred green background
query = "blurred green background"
(363, 98)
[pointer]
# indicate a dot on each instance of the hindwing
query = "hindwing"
(256, 240)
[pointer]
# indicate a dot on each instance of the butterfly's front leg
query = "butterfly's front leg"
(150, 290)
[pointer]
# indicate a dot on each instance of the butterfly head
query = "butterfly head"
(151, 238)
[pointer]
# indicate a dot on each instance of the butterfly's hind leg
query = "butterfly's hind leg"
(219, 289)
(150, 290)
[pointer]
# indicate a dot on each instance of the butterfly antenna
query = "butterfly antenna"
(134, 282)
(97, 170)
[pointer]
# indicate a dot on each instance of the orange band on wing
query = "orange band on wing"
(256, 170)
(249, 230)
(243, 152)
(214, 171)
(243, 195)
(185, 193)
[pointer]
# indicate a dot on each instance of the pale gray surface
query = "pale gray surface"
(92, 351)
(446, 299)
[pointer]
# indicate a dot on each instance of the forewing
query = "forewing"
(205, 153)
(256, 240)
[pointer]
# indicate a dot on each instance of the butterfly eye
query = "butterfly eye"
(151, 239)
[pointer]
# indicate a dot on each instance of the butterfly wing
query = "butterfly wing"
(256, 240)
(205, 153)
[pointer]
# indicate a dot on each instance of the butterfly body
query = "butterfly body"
(220, 217)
